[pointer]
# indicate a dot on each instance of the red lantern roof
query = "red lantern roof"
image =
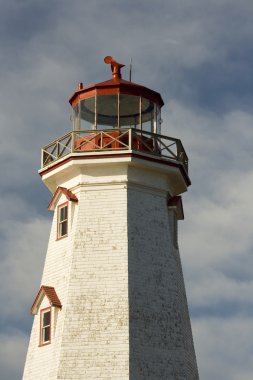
(116, 85)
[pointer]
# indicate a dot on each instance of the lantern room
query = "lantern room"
(116, 103)
(115, 116)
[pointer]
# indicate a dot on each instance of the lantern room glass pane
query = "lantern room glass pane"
(158, 120)
(76, 118)
(107, 111)
(147, 114)
(129, 108)
(101, 112)
(87, 113)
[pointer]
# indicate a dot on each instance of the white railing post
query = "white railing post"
(72, 134)
(130, 138)
(42, 158)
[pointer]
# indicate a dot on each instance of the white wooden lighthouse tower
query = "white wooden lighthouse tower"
(112, 303)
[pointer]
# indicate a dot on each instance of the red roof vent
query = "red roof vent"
(115, 66)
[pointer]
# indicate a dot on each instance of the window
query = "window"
(45, 326)
(62, 230)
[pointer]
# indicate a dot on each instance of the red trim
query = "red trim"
(62, 190)
(58, 222)
(90, 157)
(42, 311)
(115, 86)
(176, 202)
(50, 292)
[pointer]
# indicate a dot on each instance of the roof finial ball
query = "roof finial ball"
(115, 66)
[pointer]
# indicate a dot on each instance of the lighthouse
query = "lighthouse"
(112, 302)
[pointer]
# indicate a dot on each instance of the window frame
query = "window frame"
(42, 312)
(59, 222)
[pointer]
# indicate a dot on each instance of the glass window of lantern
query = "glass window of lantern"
(158, 120)
(107, 111)
(76, 118)
(147, 115)
(87, 114)
(129, 109)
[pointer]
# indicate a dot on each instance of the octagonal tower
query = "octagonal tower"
(112, 301)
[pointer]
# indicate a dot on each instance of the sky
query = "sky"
(199, 55)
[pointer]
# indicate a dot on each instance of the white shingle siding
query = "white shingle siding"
(118, 276)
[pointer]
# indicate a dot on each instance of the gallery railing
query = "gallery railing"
(113, 140)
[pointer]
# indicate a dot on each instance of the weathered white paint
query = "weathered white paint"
(118, 276)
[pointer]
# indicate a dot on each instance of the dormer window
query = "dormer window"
(62, 229)
(47, 313)
(175, 206)
(45, 326)
(62, 210)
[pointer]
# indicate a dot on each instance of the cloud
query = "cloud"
(24, 244)
(224, 347)
(216, 236)
(199, 56)
(12, 354)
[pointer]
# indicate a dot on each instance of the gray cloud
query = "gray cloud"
(12, 354)
(199, 56)
(229, 348)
